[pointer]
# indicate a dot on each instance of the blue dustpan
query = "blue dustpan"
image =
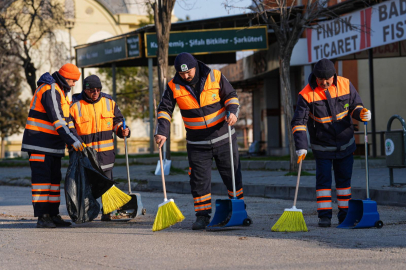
(229, 212)
(362, 213)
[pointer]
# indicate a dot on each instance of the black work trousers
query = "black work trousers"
(46, 179)
(200, 166)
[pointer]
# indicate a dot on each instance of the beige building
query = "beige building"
(89, 21)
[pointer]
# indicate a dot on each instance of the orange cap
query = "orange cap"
(70, 71)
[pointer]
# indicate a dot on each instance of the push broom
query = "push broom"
(114, 198)
(168, 213)
(292, 218)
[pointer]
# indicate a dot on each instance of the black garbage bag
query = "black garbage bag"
(84, 183)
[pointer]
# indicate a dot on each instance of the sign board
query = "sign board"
(109, 51)
(133, 46)
(379, 25)
(211, 41)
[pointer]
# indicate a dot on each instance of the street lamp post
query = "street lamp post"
(69, 24)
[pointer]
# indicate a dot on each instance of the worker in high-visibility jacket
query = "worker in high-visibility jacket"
(45, 135)
(325, 109)
(96, 116)
(204, 97)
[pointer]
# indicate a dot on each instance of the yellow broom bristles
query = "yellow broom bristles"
(113, 199)
(168, 215)
(292, 220)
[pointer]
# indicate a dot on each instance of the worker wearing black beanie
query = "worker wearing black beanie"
(96, 117)
(324, 111)
(205, 98)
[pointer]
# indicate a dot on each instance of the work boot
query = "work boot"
(59, 222)
(106, 217)
(201, 222)
(45, 221)
(341, 220)
(324, 222)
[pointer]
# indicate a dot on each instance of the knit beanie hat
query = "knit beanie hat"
(70, 71)
(184, 62)
(91, 82)
(324, 69)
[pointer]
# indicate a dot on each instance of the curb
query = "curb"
(182, 163)
(388, 196)
(382, 197)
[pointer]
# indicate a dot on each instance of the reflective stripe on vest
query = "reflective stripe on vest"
(222, 137)
(107, 166)
(97, 118)
(102, 146)
(58, 115)
(79, 108)
(43, 149)
(35, 96)
(108, 104)
(332, 148)
(40, 125)
(206, 121)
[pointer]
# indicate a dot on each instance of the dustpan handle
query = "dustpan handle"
(126, 160)
(231, 156)
(162, 173)
(297, 183)
(366, 158)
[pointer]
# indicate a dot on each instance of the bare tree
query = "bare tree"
(162, 17)
(13, 111)
(288, 23)
(24, 24)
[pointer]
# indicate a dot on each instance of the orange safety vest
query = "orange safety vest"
(209, 96)
(42, 135)
(95, 119)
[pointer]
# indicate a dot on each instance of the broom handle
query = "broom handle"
(366, 158)
(297, 183)
(126, 160)
(162, 173)
(231, 156)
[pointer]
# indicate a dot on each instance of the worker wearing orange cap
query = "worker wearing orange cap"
(45, 135)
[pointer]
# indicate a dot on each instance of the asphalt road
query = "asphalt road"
(131, 244)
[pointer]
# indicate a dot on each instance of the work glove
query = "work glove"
(301, 154)
(78, 146)
(365, 115)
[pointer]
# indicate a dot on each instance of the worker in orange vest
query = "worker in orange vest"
(45, 135)
(204, 97)
(325, 109)
(96, 117)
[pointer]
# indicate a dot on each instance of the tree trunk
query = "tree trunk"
(30, 75)
(286, 96)
(3, 147)
(162, 18)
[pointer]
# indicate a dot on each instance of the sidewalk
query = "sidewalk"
(257, 183)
